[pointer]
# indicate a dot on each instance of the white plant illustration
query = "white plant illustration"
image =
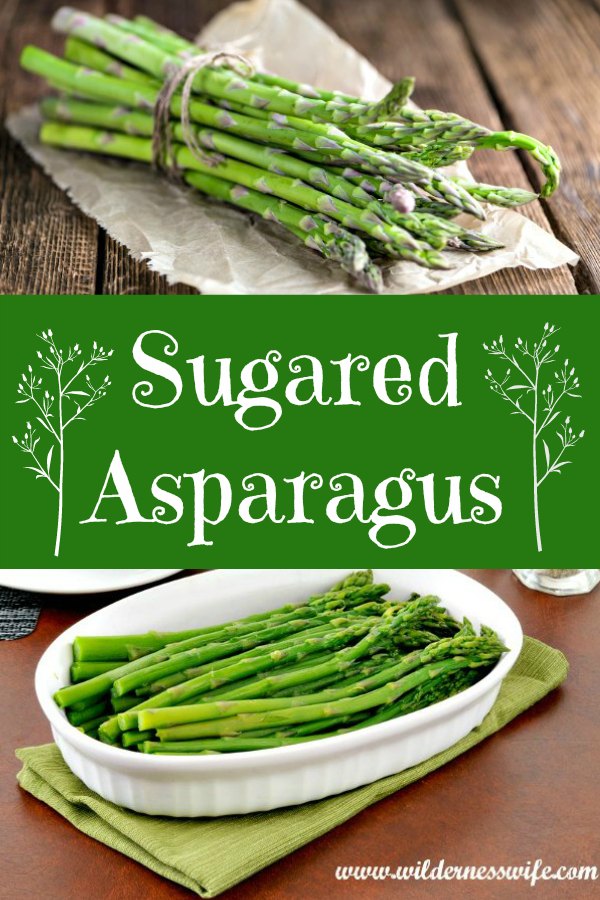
(538, 400)
(60, 402)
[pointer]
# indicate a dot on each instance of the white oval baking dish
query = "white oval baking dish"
(248, 782)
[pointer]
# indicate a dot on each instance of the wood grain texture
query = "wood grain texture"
(550, 88)
(48, 246)
(531, 791)
(121, 274)
(425, 40)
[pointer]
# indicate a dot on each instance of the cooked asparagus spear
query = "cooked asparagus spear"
(344, 666)
(311, 712)
(467, 647)
(377, 636)
(200, 656)
(260, 662)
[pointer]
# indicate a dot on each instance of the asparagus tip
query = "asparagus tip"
(62, 17)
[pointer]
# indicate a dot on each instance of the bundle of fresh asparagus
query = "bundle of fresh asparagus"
(357, 181)
(342, 660)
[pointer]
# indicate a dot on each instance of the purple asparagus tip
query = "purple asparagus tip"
(401, 199)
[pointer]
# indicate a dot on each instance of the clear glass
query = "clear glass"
(560, 582)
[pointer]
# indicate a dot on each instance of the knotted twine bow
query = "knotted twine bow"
(162, 140)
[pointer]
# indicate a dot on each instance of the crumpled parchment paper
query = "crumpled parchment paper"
(220, 250)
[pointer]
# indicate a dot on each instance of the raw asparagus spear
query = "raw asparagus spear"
(496, 194)
(480, 136)
(168, 40)
(442, 129)
(84, 54)
(439, 154)
(433, 156)
(211, 80)
(137, 148)
(387, 108)
(368, 277)
(352, 256)
(458, 239)
(317, 232)
(313, 136)
(487, 193)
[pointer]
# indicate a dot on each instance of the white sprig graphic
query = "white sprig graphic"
(539, 399)
(60, 401)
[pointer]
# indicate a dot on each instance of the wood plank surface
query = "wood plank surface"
(531, 791)
(543, 62)
(425, 40)
(121, 273)
(457, 53)
(46, 244)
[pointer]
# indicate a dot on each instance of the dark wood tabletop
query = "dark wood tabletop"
(529, 65)
(531, 791)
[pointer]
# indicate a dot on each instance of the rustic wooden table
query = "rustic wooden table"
(530, 792)
(530, 66)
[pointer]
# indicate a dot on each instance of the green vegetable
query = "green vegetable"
(172, 43)
(352, 179)
(295, 134)
(321, 234)
(314, 711)
(334, 663)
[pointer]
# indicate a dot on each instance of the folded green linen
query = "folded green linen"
(210, 855)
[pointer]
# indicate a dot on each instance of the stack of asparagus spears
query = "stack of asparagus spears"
(342, 660)
(357, 181)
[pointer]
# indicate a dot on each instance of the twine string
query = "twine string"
(162, 140)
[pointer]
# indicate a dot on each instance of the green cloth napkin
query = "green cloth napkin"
(210, 855)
